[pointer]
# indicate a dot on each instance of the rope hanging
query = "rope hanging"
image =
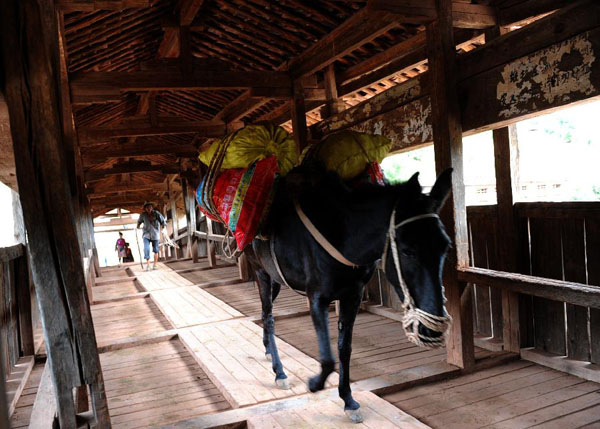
(206, 193)
(414, 316)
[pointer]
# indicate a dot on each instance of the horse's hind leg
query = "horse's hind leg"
(319, 311)
(348, 309)
(268, 292)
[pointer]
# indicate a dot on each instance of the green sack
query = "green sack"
(254, 143)
(349, 152)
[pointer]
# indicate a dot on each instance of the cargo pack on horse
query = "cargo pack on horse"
(334, 254)
(324, 238)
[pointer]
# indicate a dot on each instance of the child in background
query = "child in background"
(121, 248)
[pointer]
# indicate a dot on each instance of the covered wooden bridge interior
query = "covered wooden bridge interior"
(105, 104)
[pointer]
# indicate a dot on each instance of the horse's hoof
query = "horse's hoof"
(355, 416)
(283, 383)
(314, 384)
(268, 357)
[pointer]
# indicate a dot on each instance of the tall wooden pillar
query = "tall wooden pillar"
(175, 219)
(190, 214)
(29, 56)
(298, 111)
(447, 134)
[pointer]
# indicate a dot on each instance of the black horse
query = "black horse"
(356, 221)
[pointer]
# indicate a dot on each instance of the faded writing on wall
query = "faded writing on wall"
(548, 76)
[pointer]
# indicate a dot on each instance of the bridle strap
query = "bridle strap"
(414, 218)
(414, 316)
(319, 238)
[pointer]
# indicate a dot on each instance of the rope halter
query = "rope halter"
(414, 316)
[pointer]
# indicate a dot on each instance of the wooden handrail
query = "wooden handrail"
(557, 290)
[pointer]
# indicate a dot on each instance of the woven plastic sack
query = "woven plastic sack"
(254, 143)
(348, 153)
(242, 198)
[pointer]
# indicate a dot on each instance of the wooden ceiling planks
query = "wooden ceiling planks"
(256, 43)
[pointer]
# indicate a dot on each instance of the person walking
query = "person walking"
(153, 222)
(121, 248)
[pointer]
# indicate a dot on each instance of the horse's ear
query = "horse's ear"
(441, 189)
(413, 183)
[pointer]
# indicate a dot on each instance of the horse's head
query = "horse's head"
(417, 249)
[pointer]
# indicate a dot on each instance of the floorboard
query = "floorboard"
(156, 384)
(126, 319)
(327, 413)
(232, 354)
(20, 417)
(520, 394)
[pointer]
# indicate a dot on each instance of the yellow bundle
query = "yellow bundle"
(349, 152)
(255, 143)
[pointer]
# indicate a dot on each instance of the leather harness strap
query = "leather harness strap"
(320, 239)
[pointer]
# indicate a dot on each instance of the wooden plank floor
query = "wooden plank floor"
(162, 278)
(155, 384)
(210, 276)
(245, 298)
(189, 306)
(116, 290)
(379, 345)
(327, 413)
(20, 417)
(125, 319)
(516, 395)
(232, 354)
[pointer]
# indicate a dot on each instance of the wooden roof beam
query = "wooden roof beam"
(137, 149)
(132, 187)
(103, 83)
(92, 175)
(360, 28)
(464, 15)
(528, 9)
(133, 129)
(92, 5)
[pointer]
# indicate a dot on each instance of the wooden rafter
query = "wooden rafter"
(102, 83)
(138, 149)
(464, 15)
(359, 29)
(163, 127)
(131, 187)
(92, 175)
(92, 5)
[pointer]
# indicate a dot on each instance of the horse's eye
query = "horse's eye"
(408, 253)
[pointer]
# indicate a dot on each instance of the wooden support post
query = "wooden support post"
(210, 245)
(334, 104)
(506, 164)
(24, 303)
(190, 213)
(505, 150)
(298, 111)
(447, 133)
(244, 267)
(29, 59)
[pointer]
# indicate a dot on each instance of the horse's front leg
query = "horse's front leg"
(348, 310)
(319, 311)
(268, 292)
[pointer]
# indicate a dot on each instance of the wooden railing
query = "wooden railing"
(559, 276)
(16, 327)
